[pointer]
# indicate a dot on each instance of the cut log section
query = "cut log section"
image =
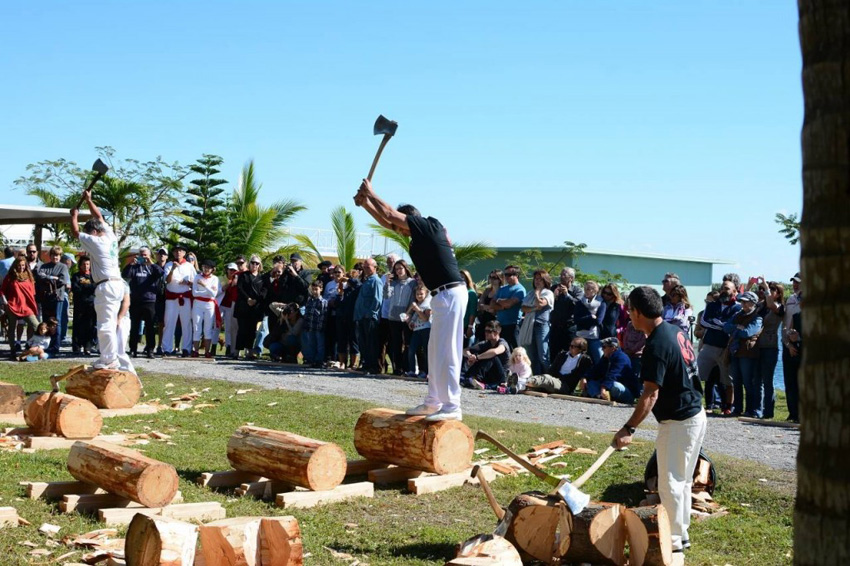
(11, 398)
(232, 542)
(160, 541)
(287, 457)
(106, 388)
(63, 415)
(596, 535)
(442, 447)
(648, 531)
(280, 542)
(123, 471)
(533, 525)
(486, 549)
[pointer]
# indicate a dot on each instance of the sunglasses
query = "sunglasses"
(255, 263)
(575, 346)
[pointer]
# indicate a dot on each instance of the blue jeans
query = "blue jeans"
(63, 328)
(261, 335)
(618, 391)
(313, 346)
(539, 350)
(594, 349)
(417, 341)
(767, 365)
(745, 373)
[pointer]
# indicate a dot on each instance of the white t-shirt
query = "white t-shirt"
(570, 364)
(418, 323)
(208, 290)
(103, 251)
(183, 272)
(38, 340)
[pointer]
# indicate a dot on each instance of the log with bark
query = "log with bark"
(596, 535)
(442, 447)
(287, 457)
(11, 398)
(533, 526)
(648, 532)
(231, 542)
(160, 541)
(63, 415)
(280, 542)
(123, 471)
(106, 388)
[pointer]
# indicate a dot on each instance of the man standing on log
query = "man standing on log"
(673, 392)
(431, 252)
(100, 244)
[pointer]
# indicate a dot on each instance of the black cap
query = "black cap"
(324, 263)
(797, 277)
(208, 263)
(179, 246)
(296, 256)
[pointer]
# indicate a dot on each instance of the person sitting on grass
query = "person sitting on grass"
(611, 378)
(37, 345)
(569, 367)
(486, 361)
(519, 368)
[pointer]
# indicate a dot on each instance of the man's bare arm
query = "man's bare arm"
(383, 213)
(642, 409)
(75, 223)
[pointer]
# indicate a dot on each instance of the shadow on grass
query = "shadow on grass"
(434, 551)
(629, 494)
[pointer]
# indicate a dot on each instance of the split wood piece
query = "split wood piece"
(263, 488)
(549, 445)
(58, 489)
(648, 531)
(532, 393)
(767, 422)
(160, 541)
(60, 443)
(16, 419)
(229, 478)
(205, 511)
(11, 398)
(231, 541)
(596, 535)
(486, 550)
(8, 517)
(123, 471)
(106, 388)
(591, 400)
(702, 475)
(393, 474)
(280, 542)
(143, 409)
(442, 447)
(432, 484)
(287, 457)
(307, 499)
(64, 415)
(534, 522)
(363, 467)
(92, 502)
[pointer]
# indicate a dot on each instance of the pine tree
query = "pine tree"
(203, 226)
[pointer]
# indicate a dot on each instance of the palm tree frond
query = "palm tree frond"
(346, 236)
(401, 240)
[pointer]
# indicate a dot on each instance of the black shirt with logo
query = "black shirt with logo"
(669, 361)
(431, 252)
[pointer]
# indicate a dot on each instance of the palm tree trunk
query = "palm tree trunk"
(822, 509)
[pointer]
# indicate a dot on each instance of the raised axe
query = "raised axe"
(386, 127)
(575, 499)
(100, 168)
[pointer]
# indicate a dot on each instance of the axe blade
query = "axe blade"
(385, 126)
(100, 167)
(575, 498)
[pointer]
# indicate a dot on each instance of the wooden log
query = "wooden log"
(106, 388)
(596, 535)
(160, 541)
(648, 532)
(64, 415)
(362, 467)
(11, 398)
(486, 550)
(280, 542)
(230, 478)
(533, 525)
(442, 447)
(231, 542)
(287, 457)
(393, 474)
(123, 471)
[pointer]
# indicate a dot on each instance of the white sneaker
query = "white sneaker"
(422, 409)
(445, 415)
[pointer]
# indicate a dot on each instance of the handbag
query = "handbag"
(526, 331)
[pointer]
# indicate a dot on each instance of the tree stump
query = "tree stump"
(160, 541)
(287, 457)
(123, 471)
(648, 532)
(280, 542)
(231, 542)
(63, 415)
(11, 398)
(596, 535)
(534, 523)
(442, 447)
(106, 388)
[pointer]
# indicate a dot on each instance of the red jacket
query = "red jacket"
(20, 296)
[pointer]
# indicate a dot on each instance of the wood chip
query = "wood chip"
(49, 529)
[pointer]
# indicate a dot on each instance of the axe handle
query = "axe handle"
(551, 480)
(378, 155)
(491, 499)
(97, 177)
(595, 466)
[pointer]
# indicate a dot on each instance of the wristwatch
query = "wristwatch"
(631, 429)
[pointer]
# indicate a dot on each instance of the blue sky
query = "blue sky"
(663, 127)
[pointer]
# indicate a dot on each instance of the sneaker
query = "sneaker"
(149, 354)
(422, 409)
(184, 354)
(423, 375)
(686, 543)
(445, 415)
(410, 374)
(194, 354)
(477, 385)
(159, 351)
(208, 355)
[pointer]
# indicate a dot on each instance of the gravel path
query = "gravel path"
(772, 446)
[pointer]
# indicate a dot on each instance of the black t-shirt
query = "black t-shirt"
(484, 345)
(669, 361)
(432, 252)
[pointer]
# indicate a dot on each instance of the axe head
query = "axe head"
(575, 498)
(100, 167)
(385, 127)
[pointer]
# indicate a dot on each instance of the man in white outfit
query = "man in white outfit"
(179, 276)
(100, 244)
(205, 310)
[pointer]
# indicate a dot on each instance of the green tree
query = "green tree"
(465, 253)
(789, 226)
(346, 240)
(204, 223)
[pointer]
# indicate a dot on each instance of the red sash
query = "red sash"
(217, 310)
(169, 296)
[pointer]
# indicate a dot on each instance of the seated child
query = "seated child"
(519, 368)
(36, 346)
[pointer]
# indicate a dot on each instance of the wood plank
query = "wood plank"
(140, 409)
(433, 483)
(205, 511)
(307, 499)
(549, 445)
(503, 469)
(394, 474)
(766, 422)
(16, 419)
(58, 489)
(58, 442)
(8, 517)
(362, 467)
(532, 393)
(89, 503)
(229, 478)
(590, 400)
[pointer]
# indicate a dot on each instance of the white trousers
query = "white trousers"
(173, 312)
(203, 320)
(677, 445)
(445, 348)
(107, 302)
(231, 325)
(123, 331)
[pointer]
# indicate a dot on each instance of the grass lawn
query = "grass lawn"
(394, 527)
